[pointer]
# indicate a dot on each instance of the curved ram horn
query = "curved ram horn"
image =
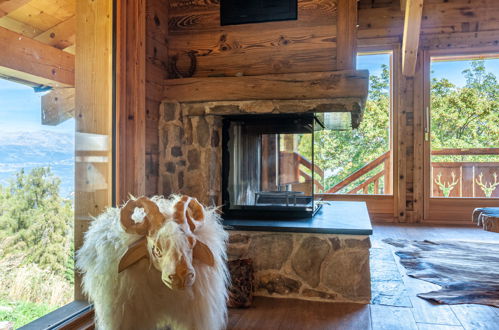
(153, 220)
(189, 211)
(195, 213)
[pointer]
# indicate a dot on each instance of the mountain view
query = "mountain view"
(42, 148)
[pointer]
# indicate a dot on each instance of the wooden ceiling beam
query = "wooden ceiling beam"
(32, 60)
(8, 6)
(60, 36)
(403, 4)
(410, 41)
(58, 106)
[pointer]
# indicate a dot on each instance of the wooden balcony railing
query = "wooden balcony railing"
(449, 179)
(465, 178)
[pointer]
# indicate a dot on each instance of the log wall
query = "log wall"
(309, 44)
(156, 72)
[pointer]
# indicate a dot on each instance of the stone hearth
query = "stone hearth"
(324, 267)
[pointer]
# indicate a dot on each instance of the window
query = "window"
(464, 126)
(54, 178)
(36, 207)
(358, 161)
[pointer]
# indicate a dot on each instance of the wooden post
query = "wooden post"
(419, 115)
(346, 35)
(93, 83)
(388, 176)
(130, 98)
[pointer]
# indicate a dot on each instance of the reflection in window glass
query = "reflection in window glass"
(36, 207)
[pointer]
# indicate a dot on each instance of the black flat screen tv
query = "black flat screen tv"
(255, 11)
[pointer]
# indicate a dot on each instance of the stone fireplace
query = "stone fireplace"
(191, 133)
(322, 260)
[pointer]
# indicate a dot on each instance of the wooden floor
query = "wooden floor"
(417, 313)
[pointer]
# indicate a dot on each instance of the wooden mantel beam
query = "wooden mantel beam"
(30, 60)
(410, 42)
(287, 86)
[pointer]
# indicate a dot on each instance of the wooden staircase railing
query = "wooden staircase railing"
(384, 160)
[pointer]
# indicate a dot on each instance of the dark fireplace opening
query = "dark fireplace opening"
(268, 166)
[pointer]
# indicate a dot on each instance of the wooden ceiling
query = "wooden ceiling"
(51, 22)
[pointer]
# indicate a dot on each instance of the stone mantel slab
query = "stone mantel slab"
(335, 217)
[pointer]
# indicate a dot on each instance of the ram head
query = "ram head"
(169, 241)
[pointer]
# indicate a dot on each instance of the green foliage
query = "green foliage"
(35, 222)
(340, 153)
(21, 313)
(466, 117)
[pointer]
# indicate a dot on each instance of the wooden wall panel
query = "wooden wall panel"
(130, 103)
(177, 27)
(305, 45)
(156, 71)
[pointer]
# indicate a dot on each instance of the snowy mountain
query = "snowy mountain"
(30, 149)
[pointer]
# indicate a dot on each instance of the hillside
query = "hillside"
(30, 149)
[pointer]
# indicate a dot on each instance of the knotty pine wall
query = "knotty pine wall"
(177, 27)
(305, 45)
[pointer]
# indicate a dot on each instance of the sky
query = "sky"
(450, 70)
(453, 70)
(20, 110)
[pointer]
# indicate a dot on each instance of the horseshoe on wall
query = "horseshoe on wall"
(192, 68)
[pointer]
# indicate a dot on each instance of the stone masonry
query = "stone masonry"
(190, 136)
(322, 267)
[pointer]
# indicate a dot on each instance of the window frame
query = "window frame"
(445, 210)
(383, 208)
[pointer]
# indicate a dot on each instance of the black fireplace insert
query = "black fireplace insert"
(268, 166)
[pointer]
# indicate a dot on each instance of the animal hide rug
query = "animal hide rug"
(468, 272)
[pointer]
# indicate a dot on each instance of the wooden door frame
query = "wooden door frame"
(457, 209)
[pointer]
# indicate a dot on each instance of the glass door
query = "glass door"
(462, 141)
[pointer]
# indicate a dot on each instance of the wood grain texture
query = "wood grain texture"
(58, 105)
(35, 61)
(204, 16)
(305, 45)
(60, 36)
(10, 5)
(131, 99)
(156, 71)
(346, 51)
(410, 40)
(268, 313)
(314, 85)
(94, 115)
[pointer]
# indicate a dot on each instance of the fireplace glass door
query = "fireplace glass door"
(266, 169)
